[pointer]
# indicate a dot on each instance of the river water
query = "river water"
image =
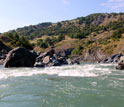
(85, 85)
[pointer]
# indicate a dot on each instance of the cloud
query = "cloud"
(116, 5)
(65, 1)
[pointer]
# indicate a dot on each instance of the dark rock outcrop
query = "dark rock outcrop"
(52, 58)
(34, 53)
(120, 65)
(47, 59)
(4, 48)
(113, 59)
(20, 57)
(3, 52)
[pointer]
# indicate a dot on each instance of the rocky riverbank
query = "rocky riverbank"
(22, 57)
(117, 58)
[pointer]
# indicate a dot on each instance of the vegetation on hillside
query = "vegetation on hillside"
(101, 30)
(49, 42)
(77, 50)
(17, 40)
(118, 33)
(77, 28)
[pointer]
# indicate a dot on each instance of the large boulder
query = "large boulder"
(20, 57)
(120, 65)
(34, 53)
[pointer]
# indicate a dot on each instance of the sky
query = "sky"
(20, 13)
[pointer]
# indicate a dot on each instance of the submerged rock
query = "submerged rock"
(19, 57)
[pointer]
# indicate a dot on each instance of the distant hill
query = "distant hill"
(78, 28)
(94, 37)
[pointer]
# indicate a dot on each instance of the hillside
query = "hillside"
(94, 37)
(77, 28)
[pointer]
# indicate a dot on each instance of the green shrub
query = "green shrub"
(88, 42)
(49, 41)
(77, 50)
(117, 34)
(60, 38)
(17, 40)
(38, 42)
(43, 45)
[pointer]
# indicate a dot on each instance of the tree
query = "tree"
(43, 45)
(39, 41)
(60, 38)
(49, 41)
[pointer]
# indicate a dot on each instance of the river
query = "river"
(85, 85)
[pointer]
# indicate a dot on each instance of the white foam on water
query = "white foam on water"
(86, 70)
(3, 86)
(108, 64)
(93, 83)
(122, 79)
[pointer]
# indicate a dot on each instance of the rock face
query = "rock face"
(64, 53)
(94, 55)
(19, 57)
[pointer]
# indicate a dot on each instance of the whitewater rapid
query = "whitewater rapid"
(83, 70)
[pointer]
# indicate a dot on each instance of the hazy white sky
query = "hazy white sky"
(18, 13)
